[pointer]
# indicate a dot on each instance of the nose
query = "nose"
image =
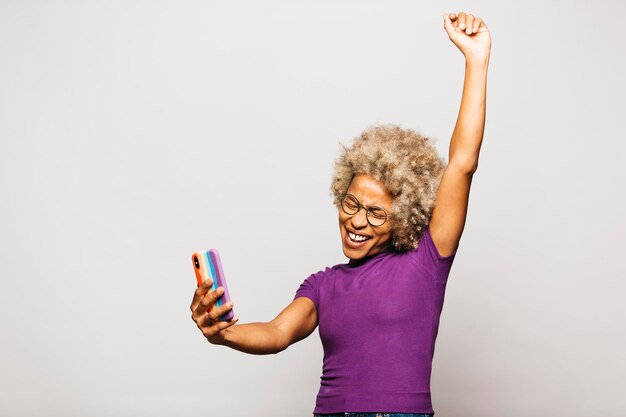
(359, 220)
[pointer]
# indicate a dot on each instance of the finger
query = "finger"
(469, 24)
(462, 21)
(448, 24)
(205, 321)
(477, 23)
(205, 305)
(209, 299)
(200, 292)
(208, 323)
(225, 324)
(216, 313)
(209, 332)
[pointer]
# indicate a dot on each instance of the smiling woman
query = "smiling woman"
(401, 212)
(408, 171)
(364, 232)
(393, 285)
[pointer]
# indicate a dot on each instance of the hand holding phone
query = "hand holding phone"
(208, 309)
(207, 265)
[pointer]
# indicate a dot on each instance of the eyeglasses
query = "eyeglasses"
(376, 216)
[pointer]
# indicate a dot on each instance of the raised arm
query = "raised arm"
(472, 37)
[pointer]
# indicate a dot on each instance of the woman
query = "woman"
(401, 215)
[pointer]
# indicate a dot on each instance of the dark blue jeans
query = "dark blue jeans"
(372, 415)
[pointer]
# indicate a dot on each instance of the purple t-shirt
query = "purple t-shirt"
(378, 322)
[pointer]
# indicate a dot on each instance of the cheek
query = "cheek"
(386, 234)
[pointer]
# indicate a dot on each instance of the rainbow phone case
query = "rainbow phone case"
(207, 265)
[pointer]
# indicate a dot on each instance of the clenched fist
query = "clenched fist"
(468, 33)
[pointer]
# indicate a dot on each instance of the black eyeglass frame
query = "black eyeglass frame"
(368, 210)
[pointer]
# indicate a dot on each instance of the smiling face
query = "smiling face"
(370, 192)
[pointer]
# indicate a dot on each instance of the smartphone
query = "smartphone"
(207, 265)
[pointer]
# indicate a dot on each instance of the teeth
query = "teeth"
(358, 238)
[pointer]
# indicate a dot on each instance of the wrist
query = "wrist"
(475, 59)
(226, 339)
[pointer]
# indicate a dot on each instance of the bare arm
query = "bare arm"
(448, 217)
(294, 323)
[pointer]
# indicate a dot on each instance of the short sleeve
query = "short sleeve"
(430, 247)
(426, 255)
(309, 289)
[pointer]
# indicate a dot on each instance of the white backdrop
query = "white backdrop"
(133, 133)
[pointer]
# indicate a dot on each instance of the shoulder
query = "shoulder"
(322, 275)
(312, 285)
(329, 270)
(427, 241)
(426, 252)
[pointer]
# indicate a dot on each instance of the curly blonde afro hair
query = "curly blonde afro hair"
(409, 168)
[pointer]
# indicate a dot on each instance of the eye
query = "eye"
(351, 202)
(378, 212)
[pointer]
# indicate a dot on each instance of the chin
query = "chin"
(352, 254)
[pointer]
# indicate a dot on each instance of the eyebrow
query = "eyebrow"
(367, 206)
